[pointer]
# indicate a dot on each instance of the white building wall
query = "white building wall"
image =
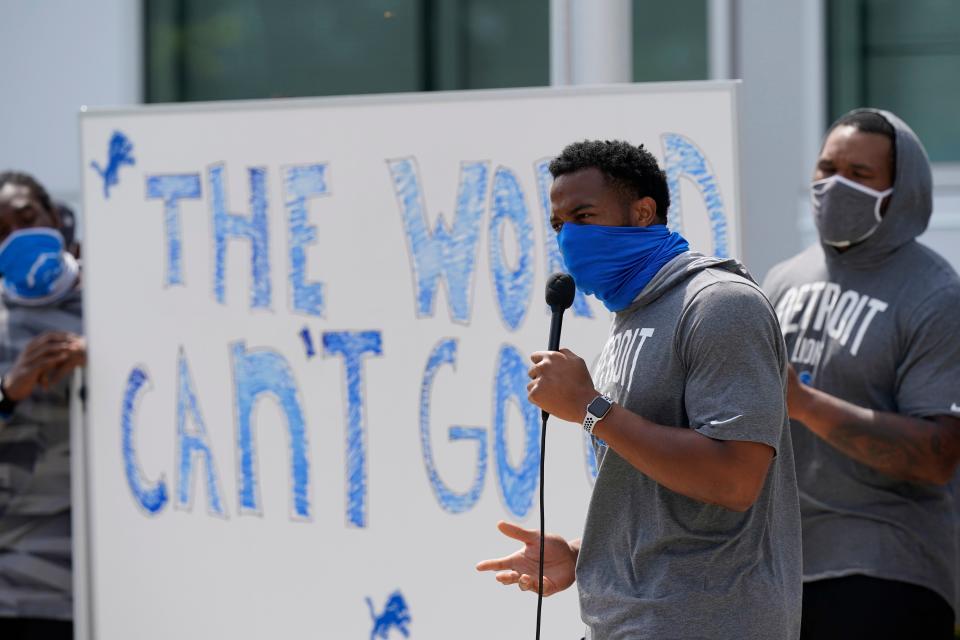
(59, 55)
(778, 52)
(944, 232)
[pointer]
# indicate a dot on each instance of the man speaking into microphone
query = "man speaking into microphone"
(693, 528)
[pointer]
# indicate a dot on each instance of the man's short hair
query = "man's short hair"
(631, 170)
(26, 180)
(869, 121)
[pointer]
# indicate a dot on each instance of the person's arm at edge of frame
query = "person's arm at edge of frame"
(924, 450)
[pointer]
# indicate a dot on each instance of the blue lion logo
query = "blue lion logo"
(396, 615)
(118, 154)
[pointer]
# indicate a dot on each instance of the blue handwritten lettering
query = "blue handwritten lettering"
(353, 346)
(513, 286)
(171, 189)
(193, 444)
(445, 353)
(590, 457)
(517, 484)
(451, 253)
(684, 159)
(256, 373)
(307, 342)
(253, 228)
(301, 183)
(150, 496)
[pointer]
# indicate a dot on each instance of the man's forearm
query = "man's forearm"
(729, 474)
(902, 447)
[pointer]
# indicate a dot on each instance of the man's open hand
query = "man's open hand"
(522, 567)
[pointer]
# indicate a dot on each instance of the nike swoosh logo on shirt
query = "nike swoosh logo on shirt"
(716, 422)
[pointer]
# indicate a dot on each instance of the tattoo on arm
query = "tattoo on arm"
(912, 449)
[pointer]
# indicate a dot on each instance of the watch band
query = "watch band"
(588, 423)
(597, 410)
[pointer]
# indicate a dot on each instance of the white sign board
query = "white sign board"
(309, 325)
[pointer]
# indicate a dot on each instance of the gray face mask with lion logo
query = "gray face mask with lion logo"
(845, 212)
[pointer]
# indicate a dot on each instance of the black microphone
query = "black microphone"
(560, 293)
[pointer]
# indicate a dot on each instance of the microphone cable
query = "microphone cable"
(543, 460)
(559, 295)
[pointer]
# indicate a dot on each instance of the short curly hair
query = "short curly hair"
(36, 189)
(631, 170)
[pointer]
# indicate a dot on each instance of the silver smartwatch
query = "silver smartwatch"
(598, 408)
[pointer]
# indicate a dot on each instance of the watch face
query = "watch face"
(599, 406)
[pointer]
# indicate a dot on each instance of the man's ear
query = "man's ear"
(643, 212)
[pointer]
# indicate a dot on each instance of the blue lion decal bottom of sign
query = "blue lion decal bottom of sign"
(395, 615)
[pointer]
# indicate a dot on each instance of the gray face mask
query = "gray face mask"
(846, 212)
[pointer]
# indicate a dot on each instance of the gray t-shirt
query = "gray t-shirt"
(884, 338)
(699, 349)
(35, 551)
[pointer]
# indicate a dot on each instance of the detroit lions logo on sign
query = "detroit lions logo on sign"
(118, 154)
(396, 615)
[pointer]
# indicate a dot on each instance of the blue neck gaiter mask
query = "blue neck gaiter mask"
(616, 263)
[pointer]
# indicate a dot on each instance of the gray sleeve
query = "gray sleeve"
(928, 376)
(732, 349)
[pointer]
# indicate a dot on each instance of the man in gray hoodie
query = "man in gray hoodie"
(872, 325)
(693, 528)
(40, 344)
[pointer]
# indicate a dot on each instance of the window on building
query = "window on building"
(670, 40)
(237, 49)
(900, 56)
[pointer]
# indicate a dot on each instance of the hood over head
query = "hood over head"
(911, 203)
(678, 270)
